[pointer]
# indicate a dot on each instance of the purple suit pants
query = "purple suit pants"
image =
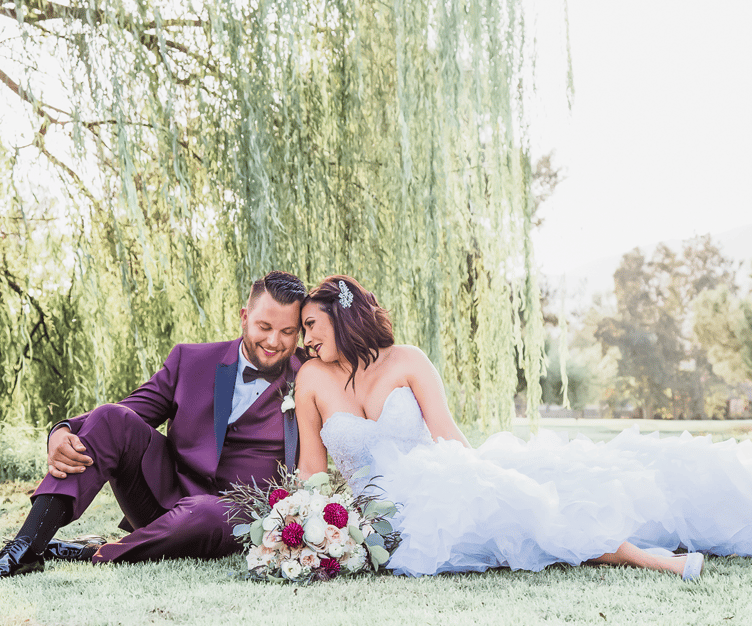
(194, 525)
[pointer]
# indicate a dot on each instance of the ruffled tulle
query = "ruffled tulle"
(526, 505)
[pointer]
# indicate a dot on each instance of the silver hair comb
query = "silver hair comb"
(345, 295)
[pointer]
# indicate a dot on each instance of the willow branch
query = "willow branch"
(197, 23)
(28, 97)
(42, 10)
(68, 170)
(39, 109)
(41, 325)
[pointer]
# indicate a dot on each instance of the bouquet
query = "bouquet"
(310, 531)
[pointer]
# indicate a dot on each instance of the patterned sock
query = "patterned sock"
(48, 514)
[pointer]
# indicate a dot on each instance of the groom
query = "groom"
(222, 403)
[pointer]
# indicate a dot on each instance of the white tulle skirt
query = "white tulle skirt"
(526, 505)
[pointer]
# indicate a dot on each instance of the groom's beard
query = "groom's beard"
(276, 370)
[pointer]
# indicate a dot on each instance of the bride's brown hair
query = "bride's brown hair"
(361, 325)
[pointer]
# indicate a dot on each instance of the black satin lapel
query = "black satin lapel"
(291, 440)
(224, 387)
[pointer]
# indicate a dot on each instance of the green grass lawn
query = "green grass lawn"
(187, 591)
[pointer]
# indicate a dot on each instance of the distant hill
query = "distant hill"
(597, 277)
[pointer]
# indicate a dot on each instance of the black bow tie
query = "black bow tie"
(250, 374)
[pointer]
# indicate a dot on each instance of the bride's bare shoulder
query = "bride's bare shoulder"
(409, 353)
(311, 370)
(409, 361)
(315, 375)
(414, 364)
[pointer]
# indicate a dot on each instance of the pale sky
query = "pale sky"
(659, 142)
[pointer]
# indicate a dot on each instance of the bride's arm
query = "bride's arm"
(312, 450)
(428, 389)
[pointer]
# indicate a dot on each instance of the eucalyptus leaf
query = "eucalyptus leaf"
(257, 532)
(374, 539)
(379, 554)
(379, 508)
(383, 527)
(356, 534)
(241, 529)
(318, 480)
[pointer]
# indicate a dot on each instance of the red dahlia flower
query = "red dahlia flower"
(277, 495)
(330, 566)
(292, 535)
(336, 515)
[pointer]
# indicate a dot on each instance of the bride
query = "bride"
(380, 406)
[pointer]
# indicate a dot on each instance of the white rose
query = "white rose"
(336, 550)
(283, 508)
(300, 497)
(317, 503)
(271, 521)
(299, 503)
(315, 530)
(291, 569)
(353, 519)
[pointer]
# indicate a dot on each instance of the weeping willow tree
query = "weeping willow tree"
(188, 148)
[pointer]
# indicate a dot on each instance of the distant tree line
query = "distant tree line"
(675, 343)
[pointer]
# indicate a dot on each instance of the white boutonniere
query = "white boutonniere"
(288, 401)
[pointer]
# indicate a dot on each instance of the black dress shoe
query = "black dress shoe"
(79, 549)
(17, 557)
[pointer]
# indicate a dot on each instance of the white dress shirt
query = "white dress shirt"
(245, 394)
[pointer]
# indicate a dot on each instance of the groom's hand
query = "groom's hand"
(65, 454)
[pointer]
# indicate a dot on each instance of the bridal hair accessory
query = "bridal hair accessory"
(314, 531)
(345, 295)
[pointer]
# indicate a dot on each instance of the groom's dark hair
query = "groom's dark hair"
(285, 288)
(361, 325)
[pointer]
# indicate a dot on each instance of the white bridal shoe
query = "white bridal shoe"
(693, 566)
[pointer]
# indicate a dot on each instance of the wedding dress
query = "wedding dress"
(526, 505)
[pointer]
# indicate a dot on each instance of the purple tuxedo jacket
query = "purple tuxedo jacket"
(193, 393)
